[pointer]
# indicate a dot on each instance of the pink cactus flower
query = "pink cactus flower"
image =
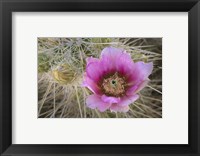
(115, 80)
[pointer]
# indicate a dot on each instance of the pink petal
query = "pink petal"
(122, 106)
(137, 87)
(124, 64)
(94, 71)
(91, 60)
(141, 72)
(90, 84)
(132, 89)
(94, 101)
(127, 100)
(107, 66)
(117, 108)
(111, 52)
(142, 85)
(109, 99)
(115, 59)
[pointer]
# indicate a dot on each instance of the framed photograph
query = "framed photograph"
(99, 77)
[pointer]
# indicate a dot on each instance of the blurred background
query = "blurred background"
(62, 62)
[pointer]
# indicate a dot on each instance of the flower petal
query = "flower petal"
(132, 89)
(141, 72)
(111, 53)
(94, 71)
(122, 106)
(115, 59)
(117, 108)
(94, 101)
(124, 64)
(110, 99)
(91, 60)
(127, 100)
(137, 87)
(90, 84)
(141, 85)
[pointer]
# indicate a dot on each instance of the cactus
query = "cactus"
(43, 63)
(64, 74)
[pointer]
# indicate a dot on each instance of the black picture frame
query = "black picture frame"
(9, 6)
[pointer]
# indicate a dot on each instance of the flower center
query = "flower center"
(114, 85)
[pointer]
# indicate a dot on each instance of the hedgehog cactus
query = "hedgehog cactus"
(64, 74)
(43, 63)
(100, 40)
